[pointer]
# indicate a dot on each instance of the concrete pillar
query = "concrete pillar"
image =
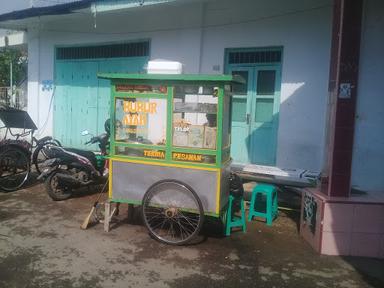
(33, 74)
(343, 78)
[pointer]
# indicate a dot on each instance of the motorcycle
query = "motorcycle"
(70, 168)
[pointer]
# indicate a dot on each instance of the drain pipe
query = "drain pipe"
(11, 79)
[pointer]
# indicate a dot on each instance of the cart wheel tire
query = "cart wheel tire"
(172, 212)
(54, 191)
(14, 169)
(38, 156)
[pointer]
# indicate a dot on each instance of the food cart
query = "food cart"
(170, 149)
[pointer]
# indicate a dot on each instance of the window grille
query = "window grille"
(254, 57)
(137, 49)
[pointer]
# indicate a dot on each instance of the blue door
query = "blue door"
(264, 118)
(82, 100)
(241, 111)
(255, 114)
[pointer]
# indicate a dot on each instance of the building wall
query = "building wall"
(368, 152)
(303, 30)
(197, 34)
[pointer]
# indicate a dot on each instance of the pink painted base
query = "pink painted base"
(351, 226)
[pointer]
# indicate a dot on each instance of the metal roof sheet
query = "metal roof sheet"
(59, 9)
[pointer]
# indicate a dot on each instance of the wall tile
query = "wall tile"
(336, 243)
(366, 244)
(338, 217)
(368, 219)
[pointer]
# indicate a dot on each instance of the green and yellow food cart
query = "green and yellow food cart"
(170, 149)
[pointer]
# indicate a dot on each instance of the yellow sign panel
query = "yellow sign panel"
(154, 154)
(136, 112)
(187, 157)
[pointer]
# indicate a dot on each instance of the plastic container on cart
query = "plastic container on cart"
(164, 67)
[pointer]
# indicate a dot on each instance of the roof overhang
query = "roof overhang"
(22, 19)
(58, 9)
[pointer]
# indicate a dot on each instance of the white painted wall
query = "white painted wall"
(303, 28)
(368, 152)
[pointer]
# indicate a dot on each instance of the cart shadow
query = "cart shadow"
(126, 216)
(212, 227)
(87, 191)
(289, 200)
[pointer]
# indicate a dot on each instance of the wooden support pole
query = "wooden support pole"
(107, 215)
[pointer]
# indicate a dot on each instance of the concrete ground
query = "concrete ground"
(41, 245)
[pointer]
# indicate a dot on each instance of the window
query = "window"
(141, 120)
(195, 116)
(240, 88)
(266, 82)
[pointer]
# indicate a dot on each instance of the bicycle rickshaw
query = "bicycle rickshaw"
(15, 153)
(170, 149)
(16, 147)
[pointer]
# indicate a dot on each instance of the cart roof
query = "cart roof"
(14, 118)
(173, 77)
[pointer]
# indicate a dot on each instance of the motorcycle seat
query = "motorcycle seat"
(87, 154)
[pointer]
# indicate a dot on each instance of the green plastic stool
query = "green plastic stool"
(232, 220)
(271, 209)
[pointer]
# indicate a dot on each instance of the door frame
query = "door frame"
(246, 124)
(254, 67)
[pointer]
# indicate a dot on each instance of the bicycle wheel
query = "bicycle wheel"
(39, 156)
(172, 212)
(14, 169)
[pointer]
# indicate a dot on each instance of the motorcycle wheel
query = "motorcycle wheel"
(54, 190)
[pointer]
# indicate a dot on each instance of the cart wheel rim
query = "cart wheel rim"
(172, 212)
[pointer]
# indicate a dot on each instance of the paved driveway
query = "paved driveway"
(41, 245)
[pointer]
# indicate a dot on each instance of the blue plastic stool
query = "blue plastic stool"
(271, 209)
(232, 220)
